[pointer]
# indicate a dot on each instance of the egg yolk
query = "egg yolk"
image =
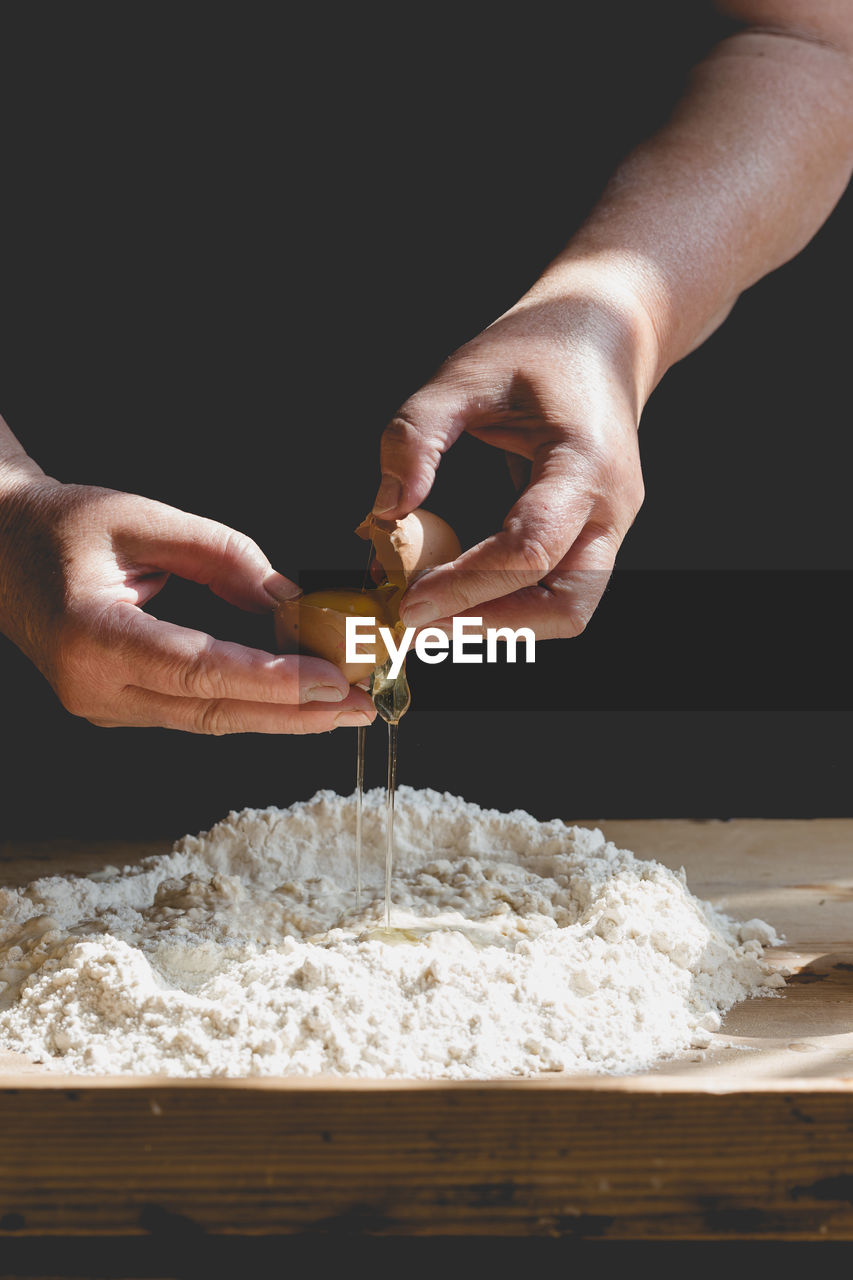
(381, 603)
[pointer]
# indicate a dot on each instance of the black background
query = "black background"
(233, 246)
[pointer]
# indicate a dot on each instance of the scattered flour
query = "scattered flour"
(517, 946)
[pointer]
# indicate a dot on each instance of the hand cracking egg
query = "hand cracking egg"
(315, 623)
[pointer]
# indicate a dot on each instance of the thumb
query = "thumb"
(205, 551)
(412, 445)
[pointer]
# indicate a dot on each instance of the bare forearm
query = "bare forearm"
(747, 169)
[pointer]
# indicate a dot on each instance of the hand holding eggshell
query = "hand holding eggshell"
(554, 384)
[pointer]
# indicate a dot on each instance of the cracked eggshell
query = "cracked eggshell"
(315, 624)
(406, 548)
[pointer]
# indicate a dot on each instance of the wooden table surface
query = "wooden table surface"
(750, 1140)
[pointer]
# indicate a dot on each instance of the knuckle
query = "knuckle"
(224, 543)
(532, 556)
(572, 618)
(627, 491)
(575, 601)
(408, 432)
(574, 625)
(214, 718)
(618, 506)
(603, 534)
(577, 619)
(198, 679)
(238, 547)
(609, 467)
(400, 431)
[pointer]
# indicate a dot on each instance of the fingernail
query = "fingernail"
(353, 718)
(281, 588)
(324, 693)
(418, 615)
(388, 496)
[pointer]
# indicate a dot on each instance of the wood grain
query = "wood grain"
(752, 1140)
(505, 1160)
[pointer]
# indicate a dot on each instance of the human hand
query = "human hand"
(76, 566)
(558, 382)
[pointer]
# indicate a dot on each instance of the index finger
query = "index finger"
(562, 603)
(170, 659)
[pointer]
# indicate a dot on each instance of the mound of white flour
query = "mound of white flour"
(517, 946)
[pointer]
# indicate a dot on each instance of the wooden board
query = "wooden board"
(752, 1139)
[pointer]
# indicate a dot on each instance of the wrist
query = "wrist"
(18, 475)
(17, 468)
(615, 294)
(24, 493)
(23, 487)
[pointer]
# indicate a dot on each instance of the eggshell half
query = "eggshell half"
(406, 548)
(319, 630)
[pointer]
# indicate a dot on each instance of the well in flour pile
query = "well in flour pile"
(520, 946)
